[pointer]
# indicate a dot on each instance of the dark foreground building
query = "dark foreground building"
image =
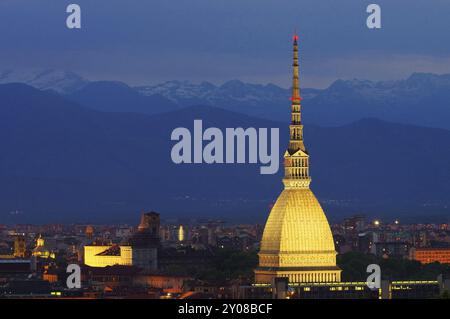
(281, 289)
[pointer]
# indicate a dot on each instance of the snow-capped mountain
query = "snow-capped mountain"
(183, 92)
(416, 86)
(422, 98)
(253, 99)
(236, 92)
(63, 82)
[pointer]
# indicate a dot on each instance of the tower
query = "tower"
(181, 233)
(150, 223)
(297, 242)
(144, 243)
(40, 242)
(19, 246)
(89, 232)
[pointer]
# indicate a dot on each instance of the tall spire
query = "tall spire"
(296, 157)
(297, 242)
(295, 80)
(296, 128)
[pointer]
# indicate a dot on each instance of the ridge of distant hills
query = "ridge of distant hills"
(61, 161)
(421, 99)
(60, 81)
(111, 96)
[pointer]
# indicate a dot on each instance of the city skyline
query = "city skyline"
(224, 150)
(115, 257)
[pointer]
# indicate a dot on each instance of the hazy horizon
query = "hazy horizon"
(24, 71)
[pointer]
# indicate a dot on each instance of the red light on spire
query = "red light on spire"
(295, 37)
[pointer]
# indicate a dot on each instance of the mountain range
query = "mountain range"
(63, 161)
(60, 81)
(422, 99)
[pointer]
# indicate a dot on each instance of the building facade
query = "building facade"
(430, 255)
(103, 256)
(141, 251)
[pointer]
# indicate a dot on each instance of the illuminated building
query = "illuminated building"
(297, 242)
(20, 246)
(430, 255)
(348, 290)
(103, 256)
(50, 274)
(181, 233)
(140, 252)
(150, 223)
(145, 242)
(40, 242)
(89, 232)
(40, 250)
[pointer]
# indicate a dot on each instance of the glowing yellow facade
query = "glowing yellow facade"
(141, 250)
(95, 256)
(20, 246)
(297, 241)
(41, 251)
(181, 233)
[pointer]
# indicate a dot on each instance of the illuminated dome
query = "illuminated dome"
(297, 233)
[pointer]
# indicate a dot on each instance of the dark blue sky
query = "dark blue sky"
(144, 42)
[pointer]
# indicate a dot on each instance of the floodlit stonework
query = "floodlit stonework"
(297, 241)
